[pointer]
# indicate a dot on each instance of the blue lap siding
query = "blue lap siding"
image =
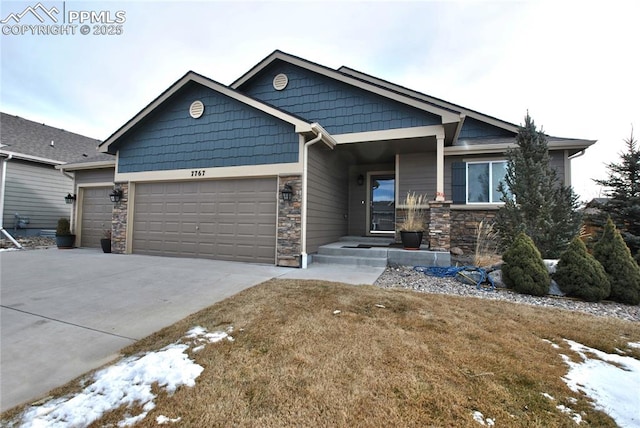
(339, 107)
(229, 133)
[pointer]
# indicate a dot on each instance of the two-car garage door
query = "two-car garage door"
(217, 219)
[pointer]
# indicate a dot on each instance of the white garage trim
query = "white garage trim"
(246, 171)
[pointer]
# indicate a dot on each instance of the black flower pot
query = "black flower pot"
(411, 240)
(106, 245)
(65, 242)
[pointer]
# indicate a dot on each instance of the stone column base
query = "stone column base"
(439, 225)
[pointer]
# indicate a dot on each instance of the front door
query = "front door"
(382, 199)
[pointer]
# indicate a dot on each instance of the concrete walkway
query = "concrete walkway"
(64, 313)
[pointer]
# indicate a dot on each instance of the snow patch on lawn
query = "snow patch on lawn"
(127, 383)
(479, 417)
(611, 381)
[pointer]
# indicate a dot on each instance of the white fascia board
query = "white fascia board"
(447, 116)
(391, 134)
(503, 147)
(87, 165)
(245, 171)
(300, 125)
(37, 159)
(326, 137)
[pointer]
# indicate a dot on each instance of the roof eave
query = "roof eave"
(447, 115)
(576, 145)
(77, 166)
(191, 76)
(31, 158)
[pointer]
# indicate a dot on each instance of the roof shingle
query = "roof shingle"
(25, 137)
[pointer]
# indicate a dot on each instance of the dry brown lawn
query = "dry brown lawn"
(421, 360)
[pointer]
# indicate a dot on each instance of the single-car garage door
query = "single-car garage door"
(218, 219)
(96, 215)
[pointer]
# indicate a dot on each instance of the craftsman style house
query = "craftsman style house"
(294, 155)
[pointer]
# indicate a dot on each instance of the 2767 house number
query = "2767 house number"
(197, 173)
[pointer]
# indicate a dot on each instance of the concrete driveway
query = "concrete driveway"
(64, 313)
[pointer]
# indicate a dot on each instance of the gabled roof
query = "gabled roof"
(428, 98)
(37, 142)
(449, 115)
(301, 126)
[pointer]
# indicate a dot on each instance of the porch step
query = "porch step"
(377, 252)
(354, 251)
(350, 260)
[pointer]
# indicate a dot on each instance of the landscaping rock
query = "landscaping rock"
(407, 278)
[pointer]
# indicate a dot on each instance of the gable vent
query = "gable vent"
(196, 109)
(280, 82)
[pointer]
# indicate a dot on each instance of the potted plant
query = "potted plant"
(105, 242)
(64, 237)
(413, 226)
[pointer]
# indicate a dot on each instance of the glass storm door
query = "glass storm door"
(382, 197)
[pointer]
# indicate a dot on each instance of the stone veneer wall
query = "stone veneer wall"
(289, 228)
(464, 225)
(119, 222)
(439, 225)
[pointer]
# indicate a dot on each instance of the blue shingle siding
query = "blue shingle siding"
(473, 128)
(229, 133)
(339, 107)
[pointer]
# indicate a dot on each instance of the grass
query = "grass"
(421, 360)
(486, 251)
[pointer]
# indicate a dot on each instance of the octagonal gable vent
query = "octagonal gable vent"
(280, 82)
(196, 109)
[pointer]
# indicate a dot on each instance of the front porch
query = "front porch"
(377, 252)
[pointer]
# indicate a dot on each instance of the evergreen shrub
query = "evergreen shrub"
(623, 271)
(523, 269)
(579, 274)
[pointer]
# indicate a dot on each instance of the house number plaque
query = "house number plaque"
(197, 173)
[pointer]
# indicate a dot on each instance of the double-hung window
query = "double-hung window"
(482, 181)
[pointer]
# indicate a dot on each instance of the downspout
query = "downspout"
(305, 155)
(2, 190)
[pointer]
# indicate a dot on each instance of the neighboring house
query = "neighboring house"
(205, 169)
(34, 190)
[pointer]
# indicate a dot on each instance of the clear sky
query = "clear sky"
(574, 65)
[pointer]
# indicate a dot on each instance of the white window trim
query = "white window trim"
(491, 186)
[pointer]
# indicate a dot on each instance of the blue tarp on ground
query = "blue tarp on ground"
(467, 274)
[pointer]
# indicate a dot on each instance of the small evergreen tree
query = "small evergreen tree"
(535, 202)
(523, 268)
(579, 274)
(624, 193)
(624, 273)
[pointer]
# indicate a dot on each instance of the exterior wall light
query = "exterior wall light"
(287, 192)
(360, 180)
(116, 195)
(70, 198)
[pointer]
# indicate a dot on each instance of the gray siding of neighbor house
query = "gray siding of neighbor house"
(229, 133)
(417, 174)
(94, 176)
(327, 199)
(36, 191)
(339, 107)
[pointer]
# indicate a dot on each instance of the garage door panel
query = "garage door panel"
(96, 215)
(219, 219)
